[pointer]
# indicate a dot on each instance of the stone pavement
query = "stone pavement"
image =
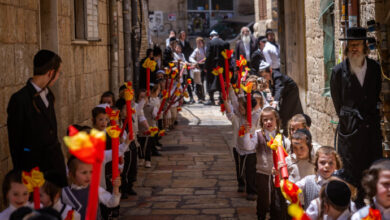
(195, 177)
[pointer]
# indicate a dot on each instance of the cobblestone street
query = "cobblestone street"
(195, 177)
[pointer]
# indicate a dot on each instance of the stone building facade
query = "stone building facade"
(301, 35)
(29, 25)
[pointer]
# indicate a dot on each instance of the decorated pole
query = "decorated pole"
(113, 115)
(278, 154)
(246, 73)
(129, 95)
(173, 76)
(227, 54)
(248, 89)
(150, 65)
(165, 96)
(33, 181)
(114, 132)
(218, 72)
(89, 148)
(240, 63)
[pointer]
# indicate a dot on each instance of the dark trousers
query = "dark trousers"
(240, 179)
(146, 148)
(269, 199)
(129, 174)
(189, 87)
(246, 171)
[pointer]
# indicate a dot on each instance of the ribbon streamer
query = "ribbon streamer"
(218, 72)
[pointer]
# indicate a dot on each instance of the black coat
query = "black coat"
(214, 58)
(240, 48)
(186, 49)
(359, 133)
(167, 56)
(256, 59)
(32, 133)
(286, 92)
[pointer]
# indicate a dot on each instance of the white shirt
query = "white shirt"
(271, 55)
(42, 94)
(361, 72)
(247, 47)
(6, 213)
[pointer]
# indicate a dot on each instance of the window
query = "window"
(222, 5)
(86, 20)
(262, 9)
(327, 23)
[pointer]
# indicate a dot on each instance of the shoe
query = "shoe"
(241, 189)
(148, 164)
(158, 147)
(132, 192)
(251, 197)
(209, 103)
(141, 162)
(175, 123)
(192, 101)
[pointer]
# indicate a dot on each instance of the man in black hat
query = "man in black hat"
(355, 87)
(214, 58)
(32, 124)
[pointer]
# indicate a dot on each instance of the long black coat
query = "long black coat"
(214, 58)
(359, 133)
(286, 92)
(32, 133)
(240, 48)
(186, 49)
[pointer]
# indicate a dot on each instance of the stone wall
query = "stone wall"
(85, 67)
(319, 108)
(19, 41)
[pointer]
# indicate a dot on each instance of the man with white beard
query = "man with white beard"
(355, 88)
(246, 46)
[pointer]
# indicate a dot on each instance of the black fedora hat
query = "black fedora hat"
(356, 33)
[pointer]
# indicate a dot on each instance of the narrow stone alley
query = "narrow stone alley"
(195, 177)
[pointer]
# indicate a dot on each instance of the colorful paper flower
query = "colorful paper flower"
(33, 179)
(373, 214)
(248, 87)
(297, 212)
(227, 53)
(218, 70)
(112, 114)
(241, 62)
(161, 133)
(290, 191)
(149, 63)
(113, 131)
(189, 81)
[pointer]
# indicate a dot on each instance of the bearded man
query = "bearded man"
(246, 46)
(355, 87)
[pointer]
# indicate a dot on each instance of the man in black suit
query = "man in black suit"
(214, 58)
(258, 56)
(285, 93)
(355, 88)
(246, 46)
(32, 125)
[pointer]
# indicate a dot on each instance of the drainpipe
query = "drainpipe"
(114, 51)
(134, 47)
(126, 39)
(353, 13)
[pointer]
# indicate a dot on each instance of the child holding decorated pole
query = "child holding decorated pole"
(269, 197)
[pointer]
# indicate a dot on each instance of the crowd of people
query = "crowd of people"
(268, 125)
